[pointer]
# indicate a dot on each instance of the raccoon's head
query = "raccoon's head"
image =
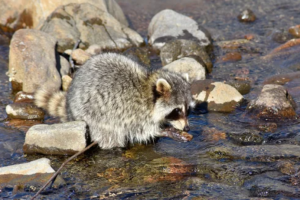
(173, 100)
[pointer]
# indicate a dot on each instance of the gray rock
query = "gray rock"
(91, 25)
(188, 66)
(24, 110)
(273, 103)
(177, 49)
(219, 96)
(63, 66)
(115, 10)
(32, 60)
(31, 174)
(60, 139)
(168, 25)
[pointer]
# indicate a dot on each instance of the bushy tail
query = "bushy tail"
(53, 101)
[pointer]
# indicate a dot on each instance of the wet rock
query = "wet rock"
(66, 82)
(32, 174)
(91, 25)
(246, 138)
(270, 185)
(56, 139)
(93, 49)
(199, 188)
(279, 36)
(32, 60)
(260, 153)
(11, 142)
(24, 97)
(295, 31)
(267, 127)
(219, 96)
(231, 57)
(24, 111)
(273, 103)
(188, 66)
(286, 167)
(22, 125)
(32, 14)
(233, 44)
(247, 16)
(291, 47)
(168, 25)
(140, 55)
(242, 86)
(80, 56)
(177, 49)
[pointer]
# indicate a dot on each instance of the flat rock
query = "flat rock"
(168, 25)
(23, 97)
(220, 97)
(273, 103)
(24, 110)
(80, 56)
(32, 14)
(90, 24)
(32, 60)
(188, 66)
(34, 173)
(60, 139)
(177, 49)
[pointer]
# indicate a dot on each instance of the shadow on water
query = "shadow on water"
(230, 156)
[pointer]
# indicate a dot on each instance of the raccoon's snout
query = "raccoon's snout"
(186, 128)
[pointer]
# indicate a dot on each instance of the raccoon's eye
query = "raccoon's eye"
(175, 114)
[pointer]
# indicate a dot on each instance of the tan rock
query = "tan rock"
(80, 56)
(66, 81)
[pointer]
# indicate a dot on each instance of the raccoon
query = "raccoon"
(121, 101)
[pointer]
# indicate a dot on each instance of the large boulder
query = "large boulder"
(177, 49)
(60, 139)
(91, 25)
(168, 25)
(217, 96)
(274, 103)
(32, 60)
(32, 14)
(188, 66)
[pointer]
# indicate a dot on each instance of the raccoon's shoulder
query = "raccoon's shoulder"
(115, 62)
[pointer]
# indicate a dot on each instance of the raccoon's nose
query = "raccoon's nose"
(186, 128)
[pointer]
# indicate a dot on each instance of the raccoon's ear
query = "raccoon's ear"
(162, 86)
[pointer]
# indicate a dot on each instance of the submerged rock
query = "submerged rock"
(246, 138)
(295, 31)
(24, 111)
(273, 103)
(91, 25)
(188, 66)
(243, 86)
(56, 139)
(139, 55)
(168, 25)
(177, 49)
(32, 60)
(219, 96)
(32, 174)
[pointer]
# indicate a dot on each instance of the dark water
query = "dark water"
(214, 165)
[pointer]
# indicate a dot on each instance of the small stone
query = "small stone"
(93, 49)
(66, 82)
(243, 86)
(188, 66)
(80, 56)
(273, 103)
(295, 31)
(247, 16)
(24, 111)
(68, 51)
(24, 97)
(246, 138)
(219, 96)
(64, 66)
(56, 139)
(231, 57)
(286, 167)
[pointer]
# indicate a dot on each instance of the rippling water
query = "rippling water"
(211, 165)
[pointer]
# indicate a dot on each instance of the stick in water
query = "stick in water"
(59, 169)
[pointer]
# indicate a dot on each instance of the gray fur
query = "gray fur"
(118, 99)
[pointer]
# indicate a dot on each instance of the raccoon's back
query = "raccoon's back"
(107, 86)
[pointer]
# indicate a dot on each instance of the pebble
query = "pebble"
(24, 111)
(247, 16)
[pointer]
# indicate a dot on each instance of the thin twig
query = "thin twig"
(59, 169)
(70, 58)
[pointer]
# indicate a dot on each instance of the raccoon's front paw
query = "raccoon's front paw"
(176, 134)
